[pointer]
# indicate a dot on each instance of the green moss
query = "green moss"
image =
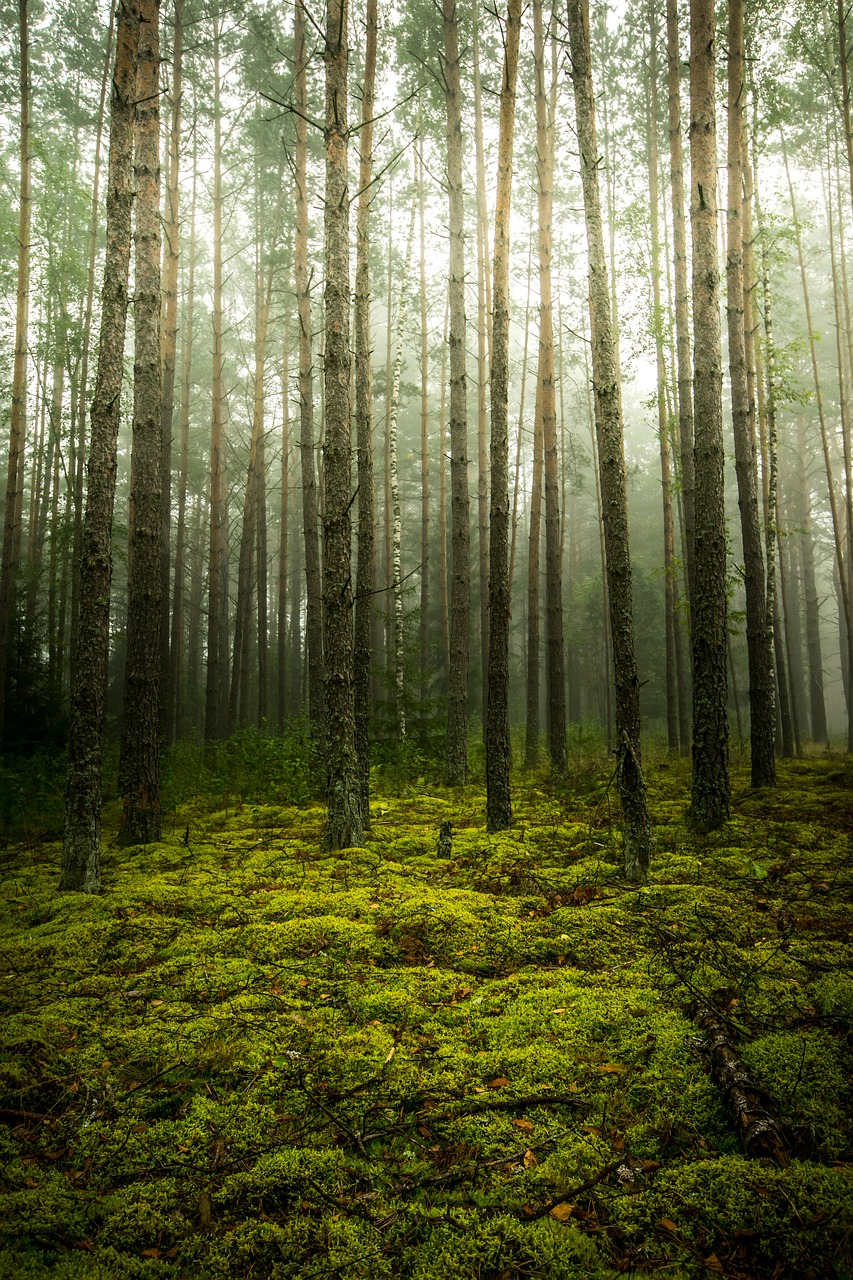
(250, 1058)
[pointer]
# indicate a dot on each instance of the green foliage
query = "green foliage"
(251, 1059)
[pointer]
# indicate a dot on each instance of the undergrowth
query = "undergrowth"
(252, 1059)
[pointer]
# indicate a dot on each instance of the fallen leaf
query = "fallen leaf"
(154, 1004)
(669, 1224)
(712, 1262)
(498, 1083)
(530, 1160)
(526, 1126)
(562, 1212)
(150, 1253)
(612, 1068)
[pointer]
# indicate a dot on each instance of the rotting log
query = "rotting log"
(761, 1132)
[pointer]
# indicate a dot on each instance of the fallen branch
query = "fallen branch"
(761, 1132)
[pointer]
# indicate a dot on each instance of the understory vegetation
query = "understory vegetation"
(250, 1058)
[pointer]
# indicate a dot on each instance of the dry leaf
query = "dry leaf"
(612, 1068)
(562, 1212)
(498, 1083)
(669, 1224)
(530, 1160)
(526, 1126)
(154, 1004)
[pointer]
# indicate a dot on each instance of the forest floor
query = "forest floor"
(249, 1058)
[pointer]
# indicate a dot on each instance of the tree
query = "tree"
(710, 791)
(762, 720)
(345, 821)
(460, 593)
(314, 616)
(498, 750)
(82, 836)
(18, 423)
(611, 463)
(547, 410)
(366, 568)
(140, 766)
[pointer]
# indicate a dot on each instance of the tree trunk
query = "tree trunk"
(611, 459)
(176, 651)
(314, 612)
(171, 226)
(442, 508)
(283, 544)
(425, 646)
(140, 770)
(711, 796)
(498, 750)
(216, 660)
(18, 419)
(762, 718)
(366, 568)
(669, 569)
(810, 598)
(534, 538)
(345, 821)
(548, 410)
(484, 353)
(460, 601)
(682, 317)
(82, 837)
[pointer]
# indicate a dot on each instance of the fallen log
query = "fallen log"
(761, 1131)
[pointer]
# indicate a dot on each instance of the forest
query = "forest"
(426, 678)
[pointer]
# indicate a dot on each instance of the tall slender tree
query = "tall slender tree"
(314, 608)
(82, 836)
(345, 819)
(711, 795)
(460, 593)
(366, 568)
(498, 749)
(140, 754)
(762, 717)
(18, 421)
(611, 464)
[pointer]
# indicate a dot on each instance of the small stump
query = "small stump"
(445, 840)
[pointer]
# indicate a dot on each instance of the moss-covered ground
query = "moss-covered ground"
(249, 1058)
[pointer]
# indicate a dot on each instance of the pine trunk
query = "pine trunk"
(345, 820)
(460, 600)
(82, 837)
(140, 770)
(366, 567)
(711, 796)
(498, 750)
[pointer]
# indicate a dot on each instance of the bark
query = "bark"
(760, 1130)
(82, 835)
(682, 319)
(283, 543)
(460, 601)
(611, 462)
(520, 437)
(670, 582)
(425, 647)
(18, 420)
(83, 384)
(548, 409)
(345, 821)
(534, 538)
(484, 344)
(140, 770)
(216, 587)
(442, 507)
(171, 258)
(314, 609)
(817, 705)
(176, 653)
(711, 796)
(498, 750)
(762, 719)
(366, 567)
(397, 530)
